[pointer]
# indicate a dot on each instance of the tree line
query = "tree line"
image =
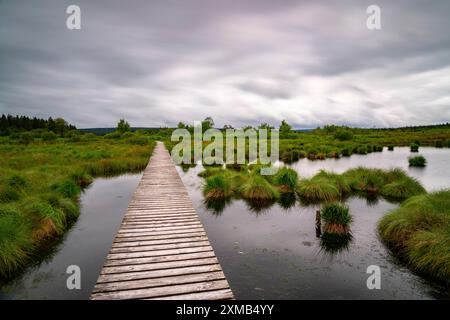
(10, 124)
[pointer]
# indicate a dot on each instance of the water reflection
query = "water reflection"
(287, 200)
(216, 206)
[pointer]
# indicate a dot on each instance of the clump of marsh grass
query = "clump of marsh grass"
(365, 179)
(15, 242)
(217, 187)
(402, 189)
(339, 181)
(52, 220)
(81, 178)
(336, 214)
(414, 147)
(67, 188)
(317, 189)
(258, 188)
(286, 179)
(419, 231)
(417, 161)
(336, 233)
(210, 171)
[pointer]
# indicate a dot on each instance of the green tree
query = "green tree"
(123, 126)
(208, 123)
(61, 126)
(265, 125)
(285, 128)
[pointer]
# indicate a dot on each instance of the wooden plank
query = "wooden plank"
(161, 237)
(155, 259)
(161, 249)
(224, 294)
(163, 291)
(157, 273)
(178, 245)
(155, 253)
(158, 282)
(158, 242)
(160, 265)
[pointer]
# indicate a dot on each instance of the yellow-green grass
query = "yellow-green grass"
(419, 231)
(257, 188)
(317, 189)
(286, 179)
(40, 184)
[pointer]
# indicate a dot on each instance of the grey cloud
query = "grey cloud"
(160, 62)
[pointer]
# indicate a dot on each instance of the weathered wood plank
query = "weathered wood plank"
(163, 291)
(224, 294)
(157, 273)
(160, 265)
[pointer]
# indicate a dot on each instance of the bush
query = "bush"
(390, 148)
(343, 135)
(112, 135)
(26, 138)
(49, 136)
(418, 161)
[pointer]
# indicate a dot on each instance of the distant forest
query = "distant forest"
(10, 124)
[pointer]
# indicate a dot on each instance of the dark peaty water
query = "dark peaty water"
(86, 244)
(275, 254)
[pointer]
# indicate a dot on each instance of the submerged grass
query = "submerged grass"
(419, 230)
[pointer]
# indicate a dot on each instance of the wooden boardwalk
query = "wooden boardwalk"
(161, 250)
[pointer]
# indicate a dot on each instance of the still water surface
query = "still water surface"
(271, 253)
(275, 254)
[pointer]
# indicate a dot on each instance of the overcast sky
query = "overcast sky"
(240, 61)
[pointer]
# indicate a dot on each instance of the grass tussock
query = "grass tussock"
(217, 187)
(286, 179)
(258, 188)
(419, 230)
(317, 189)
(336, 214)
(417, 161)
